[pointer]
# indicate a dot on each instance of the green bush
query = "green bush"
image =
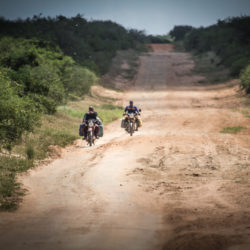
(35, 77)
(30, 152)
(245, 79)
(238, 65)
(78, 80)
(16, 114)
(43, 72)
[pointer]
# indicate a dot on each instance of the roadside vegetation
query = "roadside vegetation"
(59, 129)
(10, 191)
(206, 64)
(35, 78)
(47, 68)
(46, 61)
(245, 79)
(90, 43)
(232, 130)
(228, 41)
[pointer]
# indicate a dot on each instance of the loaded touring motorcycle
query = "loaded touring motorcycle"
(92, 127)
(131, 122)
(91, 131)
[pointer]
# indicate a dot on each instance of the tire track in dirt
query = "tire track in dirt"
(176, 184)
(200, 175)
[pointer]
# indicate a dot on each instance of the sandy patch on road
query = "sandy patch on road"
(200, 176)
(178, 183)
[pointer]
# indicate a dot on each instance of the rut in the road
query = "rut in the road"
(178, 183)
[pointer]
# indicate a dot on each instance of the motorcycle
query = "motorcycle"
(91, 127)
(131, 123)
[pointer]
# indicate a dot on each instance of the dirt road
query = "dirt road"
(178, 183)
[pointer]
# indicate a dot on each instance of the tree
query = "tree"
(179, 32)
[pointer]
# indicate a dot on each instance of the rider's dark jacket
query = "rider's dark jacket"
(130, 109)
(90, 115)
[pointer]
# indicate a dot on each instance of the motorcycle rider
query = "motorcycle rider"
(133, 109)
(91, 114)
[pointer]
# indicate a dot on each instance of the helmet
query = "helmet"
(91, 108)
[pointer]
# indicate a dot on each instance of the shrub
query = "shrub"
(238, 65)
(43, 73)
(179, 32)
(245, 79)
(16, 114)
(78, 80)
(30, 152)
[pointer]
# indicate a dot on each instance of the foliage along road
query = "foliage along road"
(178, 183)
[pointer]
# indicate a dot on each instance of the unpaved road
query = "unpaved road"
(178, 183)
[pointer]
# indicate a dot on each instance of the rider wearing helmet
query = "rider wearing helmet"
(90, 115)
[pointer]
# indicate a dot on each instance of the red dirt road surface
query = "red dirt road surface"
(178, 183)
